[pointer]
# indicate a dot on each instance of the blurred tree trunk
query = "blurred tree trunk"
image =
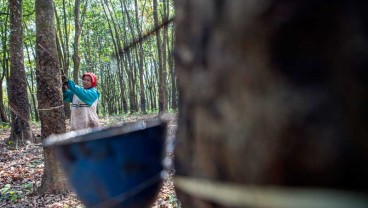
(18, 96)
(49, 94)
(272, 93)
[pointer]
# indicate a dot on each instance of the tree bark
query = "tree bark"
(140, 62)
(63, 51)
(115, 36)
(77, 31)
(18, 96)
(165, 40)
(4, 61)
(49, 94)
(161, 69)
(174, 97)
(272, 93)
(3, 116)
(66, 41)
(130, 69)
(31, 85)
(78, 24)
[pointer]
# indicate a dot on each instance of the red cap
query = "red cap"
(93, 78)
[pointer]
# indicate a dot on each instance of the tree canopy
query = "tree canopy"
(116, 41)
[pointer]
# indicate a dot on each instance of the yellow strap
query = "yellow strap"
(235, 195)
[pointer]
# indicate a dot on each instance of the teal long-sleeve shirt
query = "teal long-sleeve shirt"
(88, 96)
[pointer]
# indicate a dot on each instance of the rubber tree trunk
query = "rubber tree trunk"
(162, 95)
(49, 94)
(17, 85)
(272, 93)
(5, 67)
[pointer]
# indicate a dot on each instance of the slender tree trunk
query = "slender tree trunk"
(174, 99)
(18, 96)
(154, 81)
(132, 85)
(63, 51)
(130, 65)
(115, 35)
(161, 73)
(77, 31)
(31, 87)
(4, 32)
(125, 60)
(66, 42)
(60, 53)
(61, 46)
(3, 116)
(49, 94)
(165, 40)
(140, 62)
(122, 86)
(271, 93)
(78, 24)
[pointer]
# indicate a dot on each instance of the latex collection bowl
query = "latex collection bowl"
(113, 167)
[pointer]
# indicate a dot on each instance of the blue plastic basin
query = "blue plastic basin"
(113, 167)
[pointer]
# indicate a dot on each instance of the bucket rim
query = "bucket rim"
(90, 134)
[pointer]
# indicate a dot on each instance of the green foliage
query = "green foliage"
(5, 189)
(4, 125)
(172, 111)
(28, 186)
(9, 142)
(35, 163)
(173, 200)
(12, 194)
(105, 24)
(9, 194)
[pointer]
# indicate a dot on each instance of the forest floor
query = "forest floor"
(21, 171)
